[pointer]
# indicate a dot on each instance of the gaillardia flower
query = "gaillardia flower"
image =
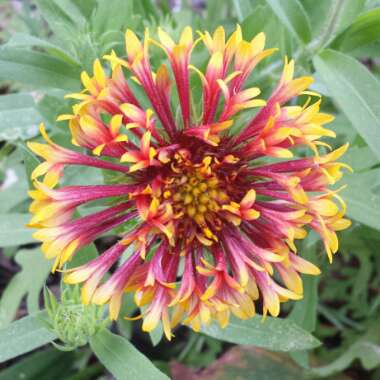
(208, 197)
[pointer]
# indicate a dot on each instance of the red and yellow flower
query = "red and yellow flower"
(216, 221)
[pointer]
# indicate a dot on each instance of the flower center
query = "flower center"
(196, 193)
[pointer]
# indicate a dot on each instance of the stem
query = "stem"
(315, 45)
(329, 30)
(190, 344)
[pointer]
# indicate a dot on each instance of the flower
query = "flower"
(210, 206)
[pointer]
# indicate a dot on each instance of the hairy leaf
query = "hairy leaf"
(22, 336)
(122, 359)
(273, 334)
(355, 90)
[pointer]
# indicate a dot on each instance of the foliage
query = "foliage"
(333, 331)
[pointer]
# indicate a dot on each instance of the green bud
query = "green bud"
(72, 321)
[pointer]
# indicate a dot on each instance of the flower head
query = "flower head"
(218, 203)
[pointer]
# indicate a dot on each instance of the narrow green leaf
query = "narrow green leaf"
(13, 230)
(294, 17)
(22, 336)
(122, 359)
(37, 69)
(355, 90)
(364, 30)
(275, 334)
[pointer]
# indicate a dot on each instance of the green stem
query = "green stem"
(190, 344)
(329, 30)
(315, 45)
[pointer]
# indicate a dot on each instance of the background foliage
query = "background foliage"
(333, 333)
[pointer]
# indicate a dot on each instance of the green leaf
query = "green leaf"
(37, 69)
(156, 335)
(19, 117)
(13, 230)
(294, 17)
(20, 40)
(29, 281)
(53, 104)
(360, 158)
(362, 201)
(347, 11)
(61, 15)
(355, 90)
(256, 21)
(364, 30)
(127, 309)
(14, 189)
(83, 256)
(22, 336)
(16, 101)
(42, 365)
(336, 15)
(366, 349)
(304, 312)
(105, 19)
(275, 334)
(122, 359)
(263, 19)
(31, 161)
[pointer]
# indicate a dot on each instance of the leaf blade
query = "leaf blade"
(362, 203)
(273, 334)
(37, 69)
(13, 230)
(355, 90)
(122, 359)
(364, 30)
(22, 336)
